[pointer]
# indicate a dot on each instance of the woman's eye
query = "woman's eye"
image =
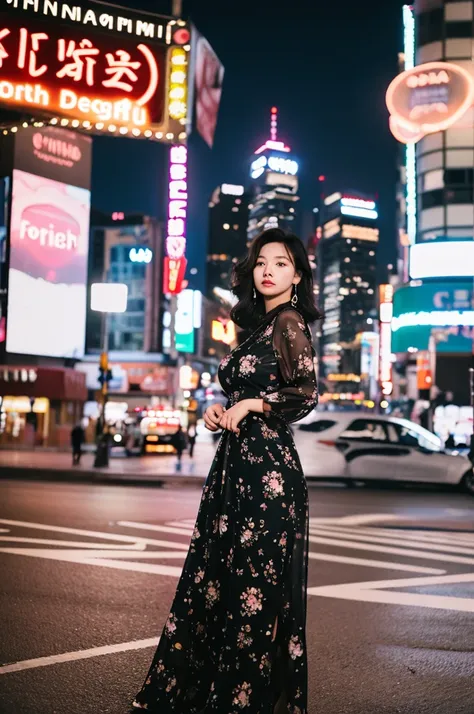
(280, 263)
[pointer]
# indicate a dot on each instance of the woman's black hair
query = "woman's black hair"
(248, 312)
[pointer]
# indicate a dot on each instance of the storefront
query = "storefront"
(39, 405)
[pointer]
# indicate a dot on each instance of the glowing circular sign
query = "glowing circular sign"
(428, 98)
(140, 255)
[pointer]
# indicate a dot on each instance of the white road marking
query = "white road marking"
(357, 519)
(149, 527)
(386, 565)
(80, 654)
(405, 552)
(391, 540)
(374, 592)
(436, 537)
(45, 541)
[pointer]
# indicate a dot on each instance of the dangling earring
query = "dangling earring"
(294, 299)
(254, 295)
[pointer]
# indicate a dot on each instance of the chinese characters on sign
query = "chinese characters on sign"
(75, 75)
(175, 262)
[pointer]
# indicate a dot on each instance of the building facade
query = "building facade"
(347, 255)
(228, 218)
(432, 116)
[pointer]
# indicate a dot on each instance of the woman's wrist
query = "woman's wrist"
(254, 405)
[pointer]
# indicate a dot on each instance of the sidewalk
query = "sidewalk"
(146, 470)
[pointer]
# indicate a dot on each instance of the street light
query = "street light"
(106, 298)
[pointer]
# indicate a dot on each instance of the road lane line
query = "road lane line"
(391, 540)
(79, 654)
(374, 592)
(357, 519)
(438, 537)
(45, 541)
(404, 552)
(386, 565)
(150, 527)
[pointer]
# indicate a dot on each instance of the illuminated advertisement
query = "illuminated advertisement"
(175, 261)
(277, 164)
(445, 310)
(358, 207)
(428, 98)
(49, 237)
(385, 338)
(92, 67)
(442, 259)
(360, 233)
(208, 80)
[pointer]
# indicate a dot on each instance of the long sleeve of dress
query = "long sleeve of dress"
(298, 393)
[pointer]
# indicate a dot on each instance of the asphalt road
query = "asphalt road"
(89, 573)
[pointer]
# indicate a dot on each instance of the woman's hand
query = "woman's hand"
(212, 416)
(234, 415)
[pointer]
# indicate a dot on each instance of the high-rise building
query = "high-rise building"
(127, 249)
(228, 217)
(274, 185)
(432, 115)
(347, 269)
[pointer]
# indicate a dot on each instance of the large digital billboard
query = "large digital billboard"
(442, 309)
(49, 238)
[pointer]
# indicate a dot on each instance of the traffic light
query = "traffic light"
(105, 375)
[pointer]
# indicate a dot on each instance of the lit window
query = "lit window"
(371, 252)
(226, 226)
(238, 201)
(291, 210)
(370, 291)
(360, 312)
(235, 209)
(354, 249)
(236, 227)
(347, 260)
(348, 240)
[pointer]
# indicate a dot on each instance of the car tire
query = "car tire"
(467, 482)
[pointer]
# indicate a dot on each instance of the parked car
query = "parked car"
(353, 446)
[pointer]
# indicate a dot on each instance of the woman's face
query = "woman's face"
(274, 273)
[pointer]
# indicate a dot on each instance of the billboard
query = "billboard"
(442, 259)
(94, 65)
(428, 98)
(442, 309)
(49, 237)
(208, 80)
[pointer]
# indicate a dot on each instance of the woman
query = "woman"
(235, 636)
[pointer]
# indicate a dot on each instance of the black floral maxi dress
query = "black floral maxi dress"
(246, 569)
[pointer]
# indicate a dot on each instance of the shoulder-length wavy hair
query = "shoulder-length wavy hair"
(247, 312)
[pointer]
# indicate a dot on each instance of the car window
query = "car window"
(365, 430)
(319, 425)
(405, 435)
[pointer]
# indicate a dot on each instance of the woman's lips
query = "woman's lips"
(267, 283)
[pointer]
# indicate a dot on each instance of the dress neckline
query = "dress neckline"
(276, 308)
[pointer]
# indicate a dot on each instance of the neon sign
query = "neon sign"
(385, 343)
(175, 262)
(278, 164)
(77, 76)
(359, 212)
(442, 259)
(428, 98)
(140, 255)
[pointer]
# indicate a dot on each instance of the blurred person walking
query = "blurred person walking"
(78, 437)
(235, 637)
(179, 443)
(191, 438)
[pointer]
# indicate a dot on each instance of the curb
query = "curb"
(98, 476)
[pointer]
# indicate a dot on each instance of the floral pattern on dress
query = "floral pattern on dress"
(246, 568)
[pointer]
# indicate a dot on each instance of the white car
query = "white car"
(355, 446)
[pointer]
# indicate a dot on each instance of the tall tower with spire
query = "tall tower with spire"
(274, 185)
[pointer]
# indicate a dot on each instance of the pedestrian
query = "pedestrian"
(77, 439)
(191, 438)
(179, 442)
(235, 637)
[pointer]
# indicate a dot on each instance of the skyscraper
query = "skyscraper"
(274, 185)
(347, 268)
(228, 216)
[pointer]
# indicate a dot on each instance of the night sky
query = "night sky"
(325, 65)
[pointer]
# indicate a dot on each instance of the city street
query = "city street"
(89, 572)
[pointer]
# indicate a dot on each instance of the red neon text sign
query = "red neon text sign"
(68, 72)
(428, 98)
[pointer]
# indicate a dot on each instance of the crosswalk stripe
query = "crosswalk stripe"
(392, 541)
(436, 537)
